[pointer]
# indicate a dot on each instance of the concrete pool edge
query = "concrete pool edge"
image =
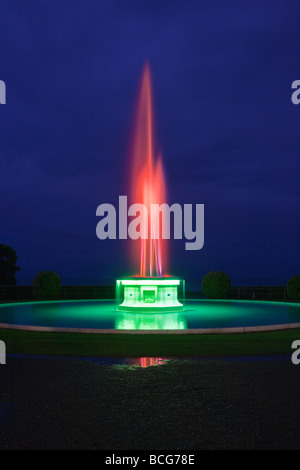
(196, 331)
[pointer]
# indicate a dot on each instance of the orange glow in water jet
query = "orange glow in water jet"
(147, 181)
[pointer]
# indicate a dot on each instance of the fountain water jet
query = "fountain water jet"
(151, 289)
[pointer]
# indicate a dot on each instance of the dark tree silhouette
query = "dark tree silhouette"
(8, 268)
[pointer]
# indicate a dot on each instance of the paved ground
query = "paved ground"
(187, 405)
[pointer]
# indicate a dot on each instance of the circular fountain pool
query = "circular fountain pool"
(198, 316)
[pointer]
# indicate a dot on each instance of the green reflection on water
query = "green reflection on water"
(150, 321)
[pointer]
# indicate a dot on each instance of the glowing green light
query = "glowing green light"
(150, 282)
(153, 321)
(145, 295)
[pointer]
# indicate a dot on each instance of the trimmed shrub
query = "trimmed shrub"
(293, 287)
(46, 285)
(216, 285)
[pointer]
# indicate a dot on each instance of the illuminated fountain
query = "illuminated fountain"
(151, 289)
(151, 301)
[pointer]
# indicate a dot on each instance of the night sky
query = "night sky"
(226, 125)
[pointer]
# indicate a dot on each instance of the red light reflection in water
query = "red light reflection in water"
(147, 182)
(148, 361)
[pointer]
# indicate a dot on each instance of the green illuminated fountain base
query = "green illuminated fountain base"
(137, 294)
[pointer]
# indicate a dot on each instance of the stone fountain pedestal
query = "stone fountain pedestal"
(150, 294)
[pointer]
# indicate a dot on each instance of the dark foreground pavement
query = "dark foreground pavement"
(182, 405)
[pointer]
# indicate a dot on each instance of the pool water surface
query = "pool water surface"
(197, 314)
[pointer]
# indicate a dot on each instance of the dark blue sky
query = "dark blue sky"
(229, 133)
